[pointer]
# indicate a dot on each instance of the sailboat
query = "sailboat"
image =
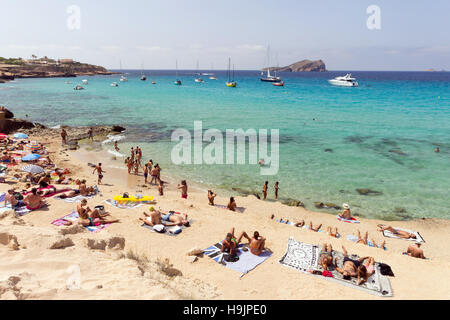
(122, 78)
(230, 82)
(143, 77)
(269, 77)
(212, 77)
(178, 81)
(198, 79)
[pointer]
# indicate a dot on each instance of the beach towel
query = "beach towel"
(247, 260)
(300, 256)
(21, 211)
(354, 238)
(238, 209)
(75, 199)
(290, 223)
(74, 218)
(418, 239)
(167, 230)
(128, 205)
(352, 220)
(2, 196)
(305, 257)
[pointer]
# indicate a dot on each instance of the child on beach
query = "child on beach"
(183, 187)
(211, 196)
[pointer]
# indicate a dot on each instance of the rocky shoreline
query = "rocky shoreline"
(10, 72)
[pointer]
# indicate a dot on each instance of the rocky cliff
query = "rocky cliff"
(11, 71)
(302, 66)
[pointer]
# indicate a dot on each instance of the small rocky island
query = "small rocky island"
(11, 68)
(301, 66)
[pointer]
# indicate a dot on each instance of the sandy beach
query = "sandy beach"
(127, 261)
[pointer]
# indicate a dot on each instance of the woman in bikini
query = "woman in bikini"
(211, 196)
(257, 244)
(232, 204)
(87, 217)
(183, 187)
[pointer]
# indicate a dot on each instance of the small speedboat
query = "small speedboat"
(198, 80)
(143, 77)
(123, 79)
(212, 78)
(114, 84)
(345, 81)
(84, 81)
(177, 82)
(78, 88)
(153, 82)
(278, 84)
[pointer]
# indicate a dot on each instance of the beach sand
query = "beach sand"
(130, 263)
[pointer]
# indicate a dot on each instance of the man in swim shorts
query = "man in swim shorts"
(352, 268)
(175, 219)
(100, 171)
(326, 256)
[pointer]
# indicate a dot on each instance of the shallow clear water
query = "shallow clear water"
(382, 134)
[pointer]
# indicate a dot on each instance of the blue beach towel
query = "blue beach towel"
(247, 260)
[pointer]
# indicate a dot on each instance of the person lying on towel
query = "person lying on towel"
(397, 232)
(353, 268)
(170, 219)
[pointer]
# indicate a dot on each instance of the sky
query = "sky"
(153, 34)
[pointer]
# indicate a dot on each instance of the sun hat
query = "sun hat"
(346, 206)
(151, 208)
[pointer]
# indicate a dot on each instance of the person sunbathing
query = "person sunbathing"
(88, 217)
(301, 224)
(334, 234)
(326, 256)
(369, 264)
(175, 219)
(153, 218)
(230, 243)
(415, 251)
(70, 194)
(397, 232)
(257, 244)
(232, 204)
(211, 196)
(11, 199)
(346, 214)
(364, 240)
(44, 181)
(352, 268)
(34, 201)
(86, 191)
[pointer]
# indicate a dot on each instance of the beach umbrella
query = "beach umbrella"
(33, 146)
(31, 157)
(3, 136)
(31, 168)
(20, 135)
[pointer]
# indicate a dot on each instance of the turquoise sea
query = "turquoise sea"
(380, 136)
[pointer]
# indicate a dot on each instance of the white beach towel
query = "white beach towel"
(418, 239)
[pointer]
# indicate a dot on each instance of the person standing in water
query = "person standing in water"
(100, 171)
(211, 196)
(145, 173)
(91, 134)
(276, 190)
(184, 188)
(264, 191)
(116, 147)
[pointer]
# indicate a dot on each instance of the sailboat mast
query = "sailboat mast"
(229, 67)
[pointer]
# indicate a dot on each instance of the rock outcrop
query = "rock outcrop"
(302, 66)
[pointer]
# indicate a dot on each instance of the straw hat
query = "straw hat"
(151, 208)
(346, 206)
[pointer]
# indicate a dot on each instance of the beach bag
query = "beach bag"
(159, 228)
(100, 209)
(230, 257)
(175, 230)
(125, 195)
(18, 196)
(386, 270)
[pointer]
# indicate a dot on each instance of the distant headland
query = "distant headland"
(11, 68)
(301, 66)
